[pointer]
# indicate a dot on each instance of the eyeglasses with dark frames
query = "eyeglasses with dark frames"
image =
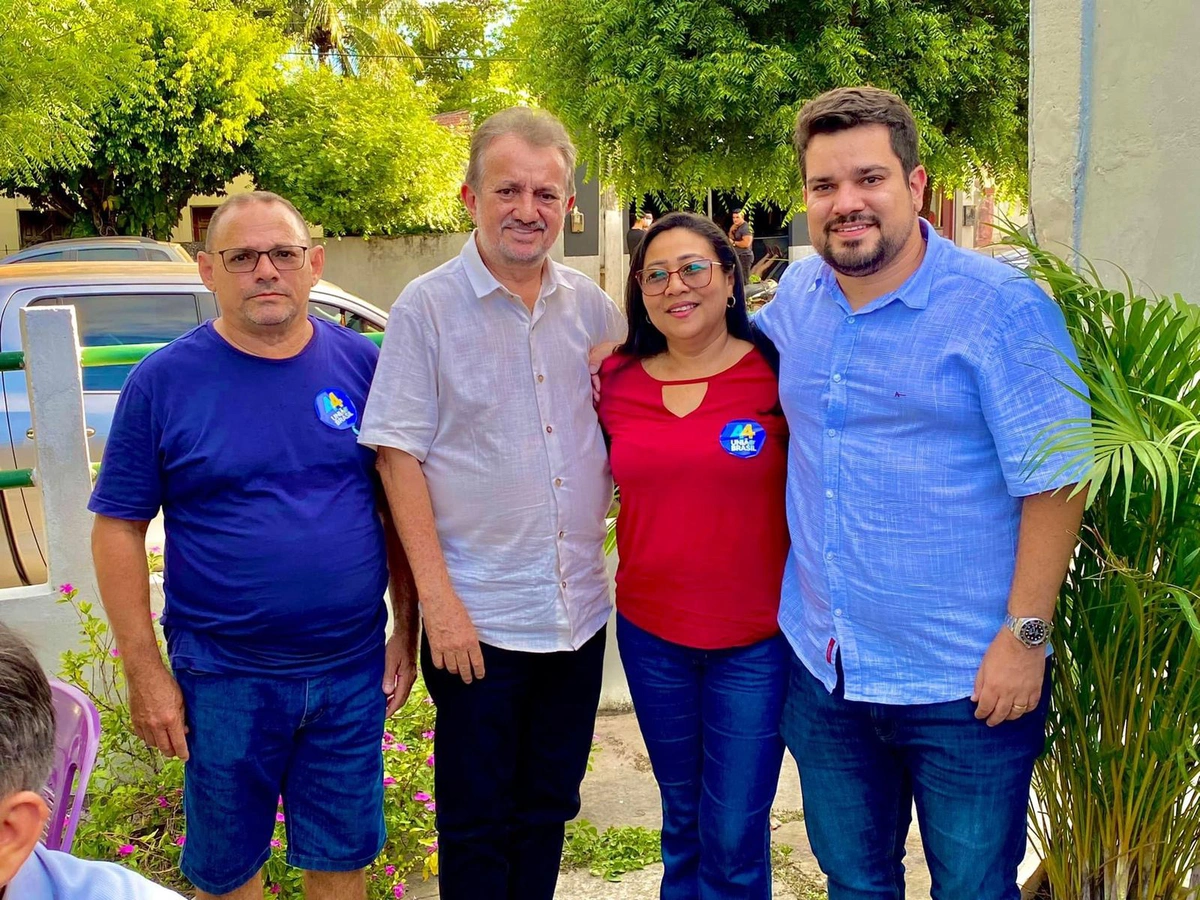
(287, 257)
(696, 273)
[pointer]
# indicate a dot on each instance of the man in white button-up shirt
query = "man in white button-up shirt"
(496, 473)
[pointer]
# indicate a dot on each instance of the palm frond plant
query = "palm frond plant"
(1116, 814)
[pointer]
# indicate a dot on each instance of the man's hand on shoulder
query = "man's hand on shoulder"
(596, 358)
(453, 641)
(156, 708)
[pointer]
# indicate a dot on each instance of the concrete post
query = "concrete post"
(63, 473)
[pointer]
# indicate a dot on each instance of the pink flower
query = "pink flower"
(114, 652)
(181, 840)
(428, 735)
(432, 848)
(275, 889)
(280, 800)
(66, 588)
(156, 549)
(429, 762)
(390, 870)
(421, 796)
(162, 802)
(428, 701)
(276, 843)
(388, 780)
(153, 617)
(431, 806)
(389, 738)
(124, 850)
(278, 817)
(400, 748)
(398, 890)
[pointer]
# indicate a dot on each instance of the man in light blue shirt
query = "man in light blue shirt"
(28, 871)
(918, 380)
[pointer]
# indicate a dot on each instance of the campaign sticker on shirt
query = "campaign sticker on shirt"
(743, 438)
(336, 409)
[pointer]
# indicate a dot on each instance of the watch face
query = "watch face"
(1034, 632)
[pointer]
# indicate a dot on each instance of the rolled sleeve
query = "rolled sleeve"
(1030, 395)
(129, 485)
(402, 407)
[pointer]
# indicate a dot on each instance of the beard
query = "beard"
(859, 259)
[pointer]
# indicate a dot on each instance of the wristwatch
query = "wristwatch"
(1029, 630)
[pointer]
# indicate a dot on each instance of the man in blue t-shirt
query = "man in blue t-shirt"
(243, 432)
(28, 870)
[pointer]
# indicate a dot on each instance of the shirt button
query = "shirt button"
(563, 585)
(829, 554)
(829, 495)
(832, 432)
(541, 378)
(838, 613)
(561, 535)
(558, 482)
(549, 430)
(850, 321)
(837, 378)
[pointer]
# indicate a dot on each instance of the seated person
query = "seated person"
(28, 871)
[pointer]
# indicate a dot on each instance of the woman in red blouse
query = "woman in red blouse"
(698, 444)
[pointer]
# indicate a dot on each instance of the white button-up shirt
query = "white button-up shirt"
(495, 402)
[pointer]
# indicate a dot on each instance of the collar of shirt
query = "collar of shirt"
(484, 283)
(914, 293)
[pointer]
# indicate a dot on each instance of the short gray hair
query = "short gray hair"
(534, 126)
(26, 718)
(236, 201)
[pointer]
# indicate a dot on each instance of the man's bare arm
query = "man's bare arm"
(1009, 681)
(400, 669)
(123, 576)
(453, 642)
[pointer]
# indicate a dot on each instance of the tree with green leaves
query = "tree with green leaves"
(470, 66)
(178, 124)
(59, 60)
(677, 97)
(361, 155)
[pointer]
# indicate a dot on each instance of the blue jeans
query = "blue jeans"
(315, 741)
(711, 723)
(862, 765)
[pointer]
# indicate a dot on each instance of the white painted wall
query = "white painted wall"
(1114, 168)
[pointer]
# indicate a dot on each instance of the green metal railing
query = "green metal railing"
(89, 357)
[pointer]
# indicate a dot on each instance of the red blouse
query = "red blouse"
(702, 534)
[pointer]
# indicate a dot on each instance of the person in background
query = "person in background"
(494, 466)
(242, 432)
(698, 445)
(918, 379)
(741, 235)
(29, 871)
(634, 235)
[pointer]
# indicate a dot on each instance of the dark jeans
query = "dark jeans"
(511, 749)
(711, 723)
(862, 765)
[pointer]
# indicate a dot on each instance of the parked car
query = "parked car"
(98, 249)
(115, 303)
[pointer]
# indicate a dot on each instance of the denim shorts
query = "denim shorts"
(252, 739)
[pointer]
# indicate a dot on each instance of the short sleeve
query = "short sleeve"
(402, 407)
(615, 326)
(130, 484)
(1029, 392)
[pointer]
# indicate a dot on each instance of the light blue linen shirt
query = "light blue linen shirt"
(912, 421)
(51, 875)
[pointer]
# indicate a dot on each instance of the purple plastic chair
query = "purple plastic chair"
(76, 740)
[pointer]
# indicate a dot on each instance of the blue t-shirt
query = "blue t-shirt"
(275, 560)
(51, 875)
